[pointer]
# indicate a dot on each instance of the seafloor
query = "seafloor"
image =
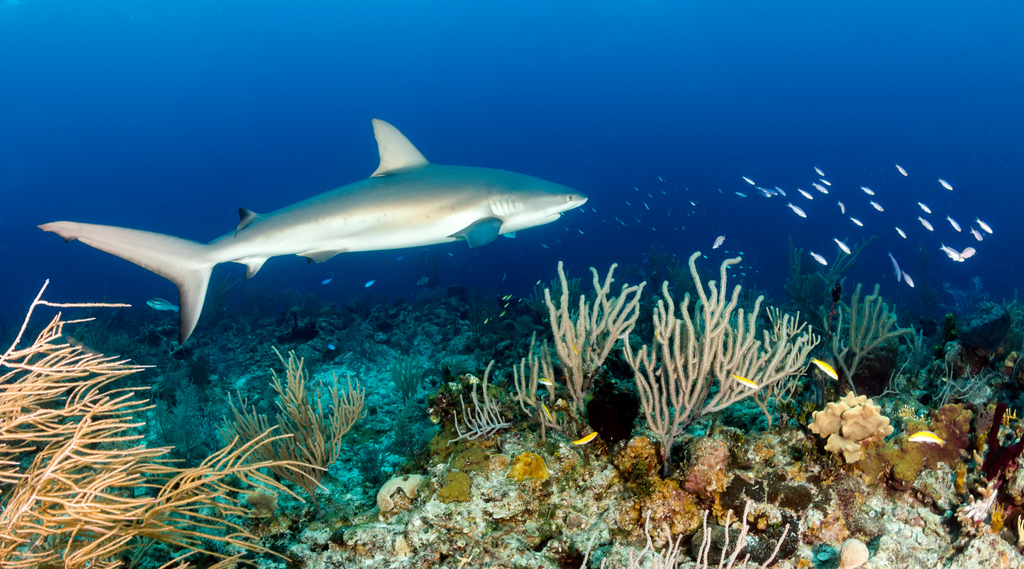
(520, 489)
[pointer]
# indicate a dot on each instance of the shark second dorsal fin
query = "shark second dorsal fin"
(245, 219)
(396, 152)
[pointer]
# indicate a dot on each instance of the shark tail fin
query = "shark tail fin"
(185, 263)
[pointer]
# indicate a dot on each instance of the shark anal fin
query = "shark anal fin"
(480, 233)
(252, 265)
(396, 152)
(245, 219)
(320, 256)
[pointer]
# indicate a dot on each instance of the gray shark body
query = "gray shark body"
(408, 202)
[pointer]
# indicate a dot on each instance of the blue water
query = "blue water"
(168, 116)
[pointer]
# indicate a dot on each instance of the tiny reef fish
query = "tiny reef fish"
(746, 382)
(926, 437)
(829, 370)
(585, 439)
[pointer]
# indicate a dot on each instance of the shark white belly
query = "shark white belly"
(408, 202)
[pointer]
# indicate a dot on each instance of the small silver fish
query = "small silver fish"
(369, 283)
(952, 253)
(876, 206)
(819, 258)
(924, 207)
(976, 234)
(984, 226)
(842, 246)
(748, 180)
(826, 182)
(857, 222)
(741, 194)
(953, 223)
(796, 210)
(842, 208)
(868, 190)
(967, 253)
(161, 305)
(945, 184)
(909, 280)
(718, 242)
(781, 191)
(900, 168)
(925, 223)
(818, 170)
(895, 266)
(659, 179)
(820, 188)
(902, 234)
(805, 194)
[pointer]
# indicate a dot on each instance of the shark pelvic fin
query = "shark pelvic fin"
(396, 152)
(245, 219)
(183, 262)
(252, 265)
(480, 233)
(319, 256)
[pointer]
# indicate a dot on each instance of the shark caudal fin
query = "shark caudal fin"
(183, 262)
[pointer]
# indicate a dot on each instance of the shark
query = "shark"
(406, 202)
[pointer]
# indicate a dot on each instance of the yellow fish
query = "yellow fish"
(545, 381)
(926, 437)
(829, 370)
(586, 439)
(745, 382)
(548, 413)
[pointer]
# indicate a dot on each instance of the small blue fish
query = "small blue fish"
(326, 281)
(369, 283)
(400, 257)
(330, 346)
(161, 305)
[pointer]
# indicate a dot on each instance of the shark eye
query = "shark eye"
(568, 199)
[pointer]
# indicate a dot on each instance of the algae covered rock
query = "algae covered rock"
(985, 328)
(528, 465)
(387, 499)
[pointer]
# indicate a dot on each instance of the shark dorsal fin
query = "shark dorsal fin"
(245, 219)
(396, 152)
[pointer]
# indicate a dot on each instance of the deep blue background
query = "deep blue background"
(168, 116)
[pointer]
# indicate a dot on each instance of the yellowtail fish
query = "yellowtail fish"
(909, 280)
(876, 206)
(945, 184)
(868, 190)
(746, 382)
(827, 369)
(826, 182)
(818, 170)
(842, 246)
(924, 207)
(748, 180)
(585, 439)
(900, 168)
(984, 226)
(547, 412)
(902, 234)
(953, 223)
(842, 208)
(820, 188)
(925, 223)
(819, 258)
(926, 437)
(857, 222)
(718, 242)
(976, 234)
(797, 210)
(805, 194)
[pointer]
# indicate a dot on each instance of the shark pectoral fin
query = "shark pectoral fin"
(480, 232)
(252, 265)
(320, 256)
(396, 152)
(510, 235)
(245, 219)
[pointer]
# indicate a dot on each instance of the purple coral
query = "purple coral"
(999, 459)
